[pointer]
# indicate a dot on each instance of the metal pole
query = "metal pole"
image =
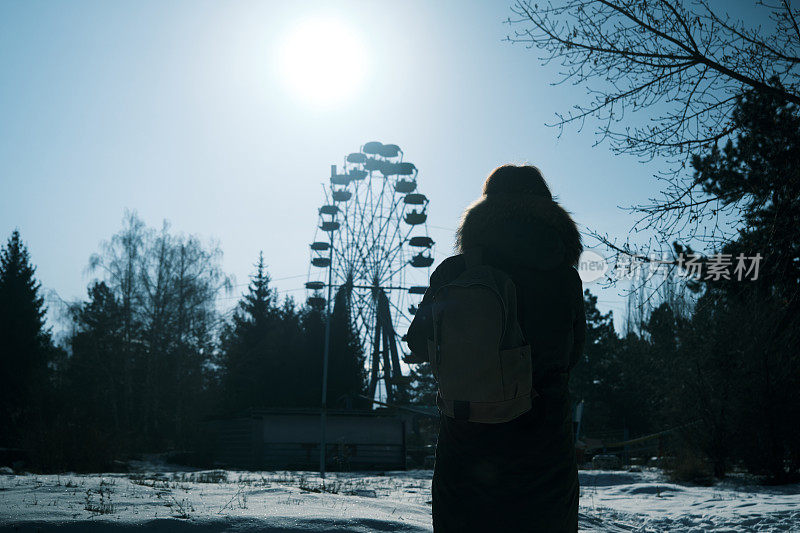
(324, 406)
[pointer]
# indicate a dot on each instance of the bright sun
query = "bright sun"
(322, 61)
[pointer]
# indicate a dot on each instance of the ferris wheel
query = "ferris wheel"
(372, 251)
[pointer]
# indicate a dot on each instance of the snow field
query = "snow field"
(218, 500)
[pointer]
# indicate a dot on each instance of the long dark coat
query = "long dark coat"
(519, 475)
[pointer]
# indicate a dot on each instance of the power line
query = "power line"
(272, 279)
(275, 290)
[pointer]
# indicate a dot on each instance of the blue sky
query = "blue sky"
(178, 110)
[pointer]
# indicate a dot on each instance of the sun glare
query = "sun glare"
(322, 62)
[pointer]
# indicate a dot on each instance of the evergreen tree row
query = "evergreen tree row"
(150, 356)
(271, 354)
(726, 373)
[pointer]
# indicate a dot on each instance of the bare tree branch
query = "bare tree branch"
(663, 78)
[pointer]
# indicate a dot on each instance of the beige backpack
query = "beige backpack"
(478, 353)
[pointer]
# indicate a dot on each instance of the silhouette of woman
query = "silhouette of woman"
(519, 475)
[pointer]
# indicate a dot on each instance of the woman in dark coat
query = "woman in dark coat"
(519, 475)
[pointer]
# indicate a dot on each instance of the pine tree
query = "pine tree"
(24, 340)
(312, 327)
(259, 305)
(271, 353)
(248, 354)
(740, 363)
(423, 385)
(96, 370)
(593, 375)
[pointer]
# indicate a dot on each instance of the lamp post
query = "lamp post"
(325, 353)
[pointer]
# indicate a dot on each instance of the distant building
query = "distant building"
(288, 439)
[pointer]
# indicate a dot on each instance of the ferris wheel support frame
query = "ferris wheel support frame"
(384, 346)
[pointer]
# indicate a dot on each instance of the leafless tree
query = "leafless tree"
(663, 77)
(167, 286)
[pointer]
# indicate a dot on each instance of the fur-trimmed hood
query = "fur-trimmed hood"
(529, 230)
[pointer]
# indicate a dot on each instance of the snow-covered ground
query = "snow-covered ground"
(207, 501)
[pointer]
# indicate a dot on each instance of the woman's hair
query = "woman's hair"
(513, 179)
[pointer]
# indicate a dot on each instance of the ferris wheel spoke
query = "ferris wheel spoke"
(398, 269)
(399, 247)
(366, 313)
(387, 216)
(392, 253)
(371, 240)
(400, 314)
(383, 215)
(362, 256)
(361, 238)
(364, 310)
(386, 252)
(344, 237)
(396, 229)
(357, 225)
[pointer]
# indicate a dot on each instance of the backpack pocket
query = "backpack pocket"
(517, 372)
